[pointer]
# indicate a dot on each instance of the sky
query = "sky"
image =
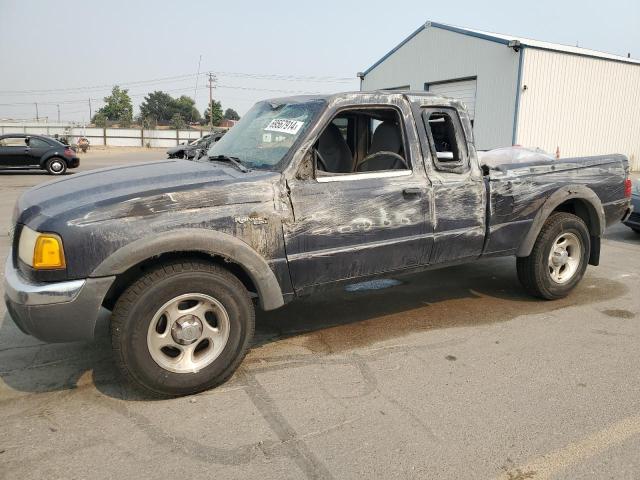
(62, 53)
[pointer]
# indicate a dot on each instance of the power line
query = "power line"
(175, 90)
(260, 76)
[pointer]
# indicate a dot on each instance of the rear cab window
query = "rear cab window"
(446, 139)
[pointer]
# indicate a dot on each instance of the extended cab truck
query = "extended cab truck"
(303, 193)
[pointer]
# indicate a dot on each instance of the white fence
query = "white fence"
(113, 137)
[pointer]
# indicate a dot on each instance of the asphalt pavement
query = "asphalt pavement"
(451, 374)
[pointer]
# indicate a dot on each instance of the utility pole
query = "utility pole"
(211, 80)
(58, 105)
(90, 110)
(37, 116)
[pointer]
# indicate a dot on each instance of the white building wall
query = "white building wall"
(115, 137)
(434, 55)
(581, 105)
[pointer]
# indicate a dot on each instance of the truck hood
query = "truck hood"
(139, 190)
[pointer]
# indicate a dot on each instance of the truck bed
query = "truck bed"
(517, 192)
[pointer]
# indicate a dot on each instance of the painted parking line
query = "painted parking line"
(545, 466)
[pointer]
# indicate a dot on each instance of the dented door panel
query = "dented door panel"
(356, 228)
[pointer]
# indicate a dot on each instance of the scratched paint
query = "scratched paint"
(318, 233)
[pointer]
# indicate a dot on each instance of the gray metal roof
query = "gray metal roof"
(507, 40)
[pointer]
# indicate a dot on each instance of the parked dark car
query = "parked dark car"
(190, 149)
(20, 151)
(633, 221)
(302, 195)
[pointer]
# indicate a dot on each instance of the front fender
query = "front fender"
(204, 241)
(595, 213)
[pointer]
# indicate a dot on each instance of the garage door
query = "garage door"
(463, 90)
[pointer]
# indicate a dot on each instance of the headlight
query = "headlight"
(42, 251)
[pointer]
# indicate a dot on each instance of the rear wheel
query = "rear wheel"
(559, 257)
(182, 328)
(56, 166)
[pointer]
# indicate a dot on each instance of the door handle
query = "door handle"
(412, 191)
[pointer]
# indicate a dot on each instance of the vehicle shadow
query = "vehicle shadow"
(622, 233)
(32, 173)
(339, 321)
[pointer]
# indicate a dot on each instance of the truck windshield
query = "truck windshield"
(266, 133)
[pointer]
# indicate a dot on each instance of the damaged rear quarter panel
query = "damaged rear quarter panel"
(518, 193)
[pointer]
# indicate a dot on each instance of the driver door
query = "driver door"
(350, 224)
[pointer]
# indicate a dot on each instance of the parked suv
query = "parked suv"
(20, 151)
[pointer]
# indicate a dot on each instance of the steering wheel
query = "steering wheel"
(320, 160)
(396, 159)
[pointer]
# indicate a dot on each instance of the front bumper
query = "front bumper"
(57, 311)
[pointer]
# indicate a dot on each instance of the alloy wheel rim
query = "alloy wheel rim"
(564, 258)
(56, 167)
(188, 333)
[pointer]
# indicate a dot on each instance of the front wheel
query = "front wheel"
(182, 328)
(56, 166)
(559, 257)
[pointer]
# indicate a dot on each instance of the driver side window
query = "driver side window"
(361, 141)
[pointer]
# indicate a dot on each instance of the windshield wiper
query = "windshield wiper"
(235, 160)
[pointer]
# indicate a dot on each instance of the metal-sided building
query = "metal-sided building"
(521, 91)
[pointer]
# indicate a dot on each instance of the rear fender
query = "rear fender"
(594, 214)
(51, 154)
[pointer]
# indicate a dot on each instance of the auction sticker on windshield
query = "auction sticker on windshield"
(284, 126)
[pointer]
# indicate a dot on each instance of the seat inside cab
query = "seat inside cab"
(362, 140)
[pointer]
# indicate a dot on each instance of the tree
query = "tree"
(231, 114)
(117, 106)
(100, 120)
(157, 105)
(124, 121)
(162, 107)
(217, 113)
(186, 107)
(177, 121)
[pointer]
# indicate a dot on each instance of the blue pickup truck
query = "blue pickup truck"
(303, 194)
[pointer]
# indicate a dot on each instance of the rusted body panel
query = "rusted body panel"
(311, 232)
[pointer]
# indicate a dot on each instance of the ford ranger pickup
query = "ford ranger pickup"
(303, 194)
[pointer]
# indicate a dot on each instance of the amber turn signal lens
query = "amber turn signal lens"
(48, 253)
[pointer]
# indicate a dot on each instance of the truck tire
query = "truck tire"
(182, 328)
(56, 166)
(559, 257)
